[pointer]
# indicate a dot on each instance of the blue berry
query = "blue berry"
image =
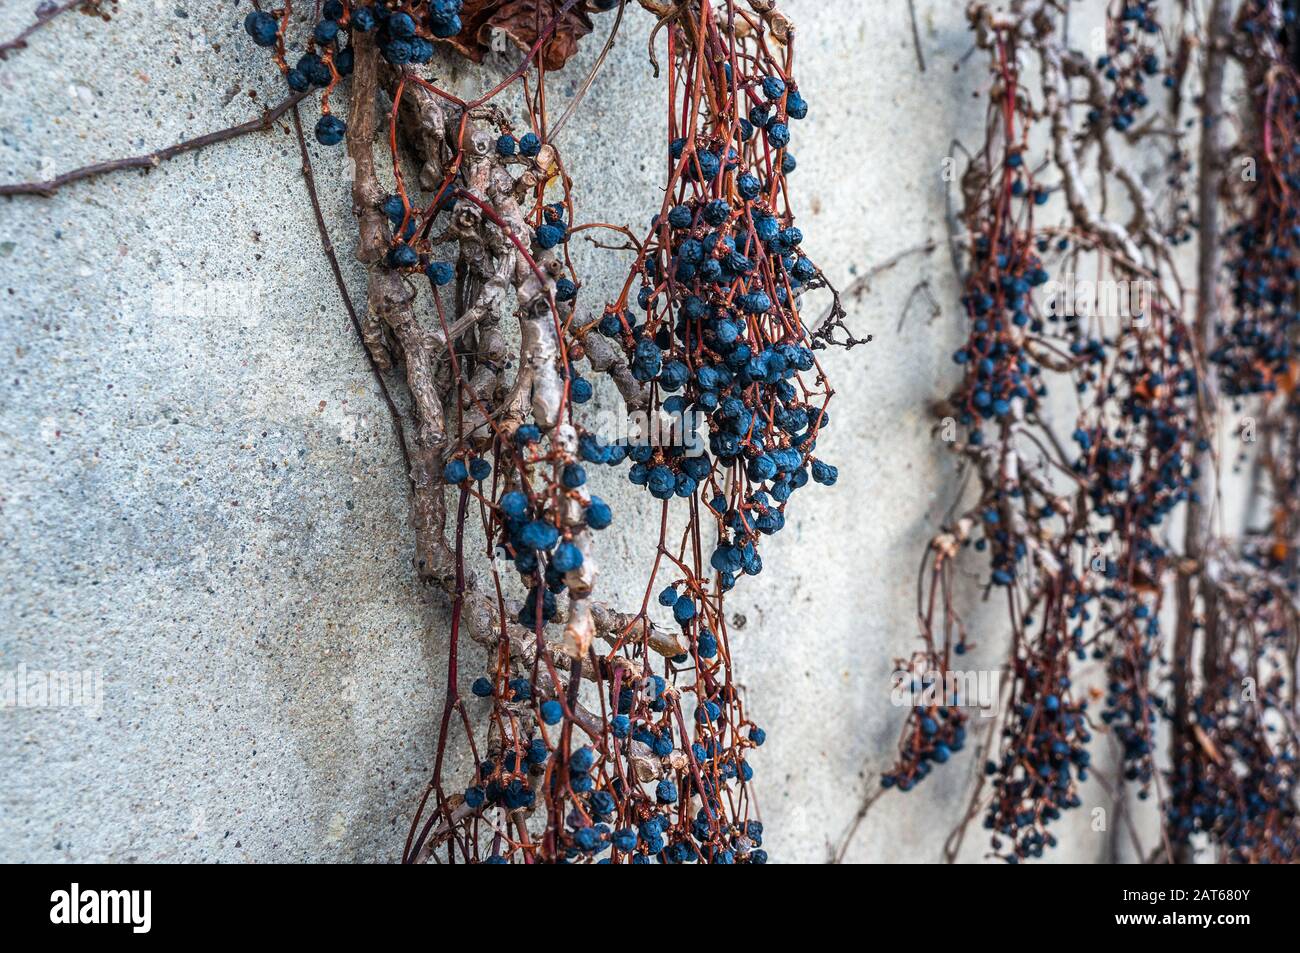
(325, 32)
(549, 235)
(421, 50)
(552, 712)
(396, 51)
(587, 838)
(262, 27)
(824, 473)
(402, 256)
(529, 145)
(717, 212)
(400, 25)
(599, 515)
(440, 272)
(314, 68)
(514, 505)
(444, 27)
(330, 130)
(539, 535)
(582, 759)
(580, 390)
(567, 558)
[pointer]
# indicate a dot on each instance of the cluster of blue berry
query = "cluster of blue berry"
(1256, 348)
(1002, 384)
(1137, 51)
(641, 777)
(1044, 758)
(1073, 535)
(615, 814)
(1239, 782)
(714, 333)
(1234, 772)
(1133, 55)
(999, 374)
(1139, 467)
(661, 777)
(935, 731)
(405, 31)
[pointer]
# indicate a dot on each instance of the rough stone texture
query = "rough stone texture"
(202, 496)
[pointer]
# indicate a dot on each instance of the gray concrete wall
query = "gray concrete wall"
(201, 497)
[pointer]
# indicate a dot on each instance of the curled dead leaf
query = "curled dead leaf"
(522, 21)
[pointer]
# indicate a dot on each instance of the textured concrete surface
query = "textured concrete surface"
(201, 497)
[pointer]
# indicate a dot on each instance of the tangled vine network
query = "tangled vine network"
(651, 758)
(577, 728)
(1081, 534)
(593, 732)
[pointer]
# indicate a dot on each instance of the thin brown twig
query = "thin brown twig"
(19, 42)
(863, 809)
(154, 159)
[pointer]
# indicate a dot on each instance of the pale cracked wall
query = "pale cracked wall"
(201, 497)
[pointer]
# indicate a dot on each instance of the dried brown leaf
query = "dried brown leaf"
(475, 36)
(522, 21)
